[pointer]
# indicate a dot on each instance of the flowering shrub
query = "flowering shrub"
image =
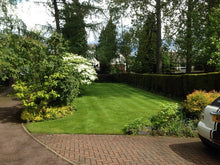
(86, 72)
(198, 100)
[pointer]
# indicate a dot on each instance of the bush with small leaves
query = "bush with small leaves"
(198, 100)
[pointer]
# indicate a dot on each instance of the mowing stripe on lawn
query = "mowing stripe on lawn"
(104, 108)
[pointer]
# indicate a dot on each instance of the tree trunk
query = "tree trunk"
(159, 42)
(189, 52)
(57, 17)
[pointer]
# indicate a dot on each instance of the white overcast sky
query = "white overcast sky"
(34, 15)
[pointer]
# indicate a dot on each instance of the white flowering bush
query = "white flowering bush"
(83, 67)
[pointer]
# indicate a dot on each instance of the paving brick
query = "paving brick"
(123, 149)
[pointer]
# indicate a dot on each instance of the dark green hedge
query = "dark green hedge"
(172, 85)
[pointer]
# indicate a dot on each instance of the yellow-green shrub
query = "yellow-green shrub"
(46, 114)
(198, 100)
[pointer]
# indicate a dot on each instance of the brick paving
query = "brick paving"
(130, 150)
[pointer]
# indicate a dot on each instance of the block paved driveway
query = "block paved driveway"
(131, 150)
(18, 148)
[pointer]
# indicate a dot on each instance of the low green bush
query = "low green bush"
(171, 121)
(135, 126)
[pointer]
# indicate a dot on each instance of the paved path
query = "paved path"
(16, 147)
(131, 150)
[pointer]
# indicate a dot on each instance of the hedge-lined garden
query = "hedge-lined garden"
(171, 85)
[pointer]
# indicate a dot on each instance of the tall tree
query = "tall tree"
(125, 46)
(191, 27)
(189, 46)
(69, 16)
(107, 46)
(159, 41)
(56, 15)
(74, 27)
(141, 9)
(209, 57)
(146, 55)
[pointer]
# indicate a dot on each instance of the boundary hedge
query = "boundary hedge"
(171, 85)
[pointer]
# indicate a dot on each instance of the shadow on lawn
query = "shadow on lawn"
(106, 90)
(197, 153)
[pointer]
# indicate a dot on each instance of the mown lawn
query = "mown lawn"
(104, 108)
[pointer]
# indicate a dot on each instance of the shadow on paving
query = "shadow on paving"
(10, 114)
(16, 146)
(197, 153)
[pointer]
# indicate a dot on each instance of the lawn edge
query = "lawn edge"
(46, 146)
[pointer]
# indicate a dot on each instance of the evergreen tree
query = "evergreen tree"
(74, 27)
(107, 46)
(125, 46)
(146, 55)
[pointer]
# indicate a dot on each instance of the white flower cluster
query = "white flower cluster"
(87, 73)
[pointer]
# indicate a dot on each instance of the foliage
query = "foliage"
(10, 22)
(74, 27)
(43, 78)
(106, 49)
(21, 55)
(125, 46)
(211, 44)
(135, 126)
(86, 72)
(171, 121)
(164, 116)
(51, 113)
(198, 100)
(146, 54)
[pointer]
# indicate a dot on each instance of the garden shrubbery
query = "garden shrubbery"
(135, 126)
(47, 113)
(198, 100)
(170, 121)
(47, 79)
(176, 120)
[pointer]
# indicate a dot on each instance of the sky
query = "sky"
(34, 15)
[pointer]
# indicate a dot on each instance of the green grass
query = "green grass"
(104, 108)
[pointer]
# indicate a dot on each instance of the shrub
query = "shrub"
(135, 126)
(86, 72)
(166, 114)
(172, 122)
(46, 114)
(198, 100)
